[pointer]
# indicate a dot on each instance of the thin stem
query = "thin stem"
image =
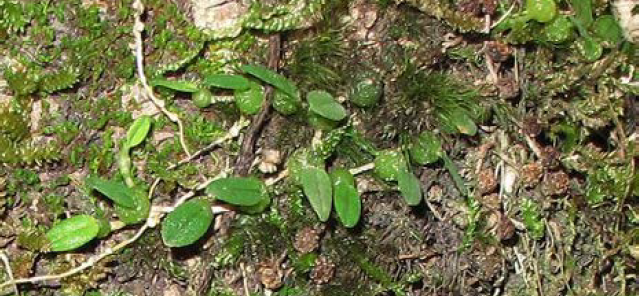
(138, 28)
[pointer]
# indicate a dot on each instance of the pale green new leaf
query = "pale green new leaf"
(138, 131)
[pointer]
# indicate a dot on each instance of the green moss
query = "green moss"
(444, 11)
(318, 62)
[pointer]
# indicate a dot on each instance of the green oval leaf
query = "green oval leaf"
(72, 233)
(187, 223)
(250, 101)
(273, 78)
(138, 131)
(347, 200)
(176, 85)
(118, 192)
(227, 81)
(409, 187)
(325, 105)
(239, 191)
(317, 187)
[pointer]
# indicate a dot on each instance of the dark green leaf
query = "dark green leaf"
(226, 81)
(138, 131)
(181, 86)
(409, 187)
(269, 76)
(317, 187)
(347, 200)
(119, 193)
(187, 223)
(325, 105)
(239, 191)
(72, 233)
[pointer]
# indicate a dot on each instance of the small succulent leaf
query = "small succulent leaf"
(138, 131)
(139, 212)
(202, 98)
(542, 11)
(240, 191)
(590, 49)
(227, 81)
(250, 101)
(187, 223)
(275, 79)
(324, 104)
(559, 30)
(181, 86)
(317, 187)
(347, 200)
(300, 160)
(409, 187)
(426, 148)
(72, 233)
(389, 163)
(118, 192)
